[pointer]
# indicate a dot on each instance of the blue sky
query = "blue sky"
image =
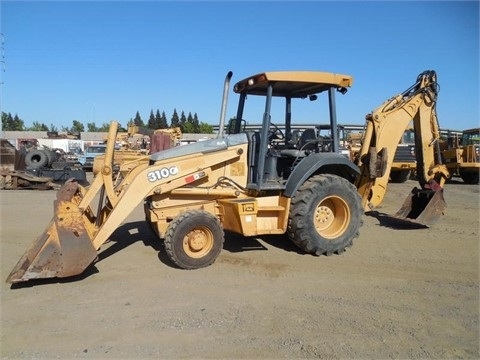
(104, 60)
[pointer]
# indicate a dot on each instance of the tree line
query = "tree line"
(189, 124)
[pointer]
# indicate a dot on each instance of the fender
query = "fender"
(311, 164)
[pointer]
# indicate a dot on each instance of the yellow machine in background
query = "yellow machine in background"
(131, 148)
(404, 164)
(251, 183)
(462, 157)
(174, 133)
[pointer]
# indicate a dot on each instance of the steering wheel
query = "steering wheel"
(275, 133)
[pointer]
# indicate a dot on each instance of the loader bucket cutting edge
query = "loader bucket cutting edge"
(64, 248)
(421, 207)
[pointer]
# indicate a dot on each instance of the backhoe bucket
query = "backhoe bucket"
(422, 207)
(64, 249)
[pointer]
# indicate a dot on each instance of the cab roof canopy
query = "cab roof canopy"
(294, 84)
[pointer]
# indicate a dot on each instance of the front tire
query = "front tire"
(194, 239)
(325, 215)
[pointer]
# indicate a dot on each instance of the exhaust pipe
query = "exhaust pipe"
(224, 104)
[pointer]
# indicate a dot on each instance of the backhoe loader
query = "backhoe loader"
(273, 181)
(462, 156)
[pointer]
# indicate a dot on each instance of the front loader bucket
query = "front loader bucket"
(64, 249)
(421, 207)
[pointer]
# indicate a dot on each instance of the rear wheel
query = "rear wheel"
(325, 215)
(194, 239)
(399, 176)
(470, 177)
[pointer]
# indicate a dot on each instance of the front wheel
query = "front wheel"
(325, 215)
(194, 239)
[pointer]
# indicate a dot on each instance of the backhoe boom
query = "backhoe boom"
(384, 129)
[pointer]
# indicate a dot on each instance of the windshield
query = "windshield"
(408, 137)
(472, 138)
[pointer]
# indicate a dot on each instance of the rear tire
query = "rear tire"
(399, 176)
(325, 215)
(470, 177)
(194, 239)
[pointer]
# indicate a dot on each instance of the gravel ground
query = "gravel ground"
(409, 293)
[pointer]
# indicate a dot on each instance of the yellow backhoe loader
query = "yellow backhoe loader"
(273, 181)
(462, 156)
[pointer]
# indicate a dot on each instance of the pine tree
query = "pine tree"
(18, 123)
(188, 125)
(163, 121)
(5, 124)
(158, 120)
(151, 121)
(138, 120)
(183, 121)
(10, 123)
(175, 121)
(196, 124)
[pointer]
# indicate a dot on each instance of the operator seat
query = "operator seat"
(308, 141)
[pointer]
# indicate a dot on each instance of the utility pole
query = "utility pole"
(2, 71)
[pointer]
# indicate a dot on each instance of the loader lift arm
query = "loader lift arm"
(384, 129)
(70, 242)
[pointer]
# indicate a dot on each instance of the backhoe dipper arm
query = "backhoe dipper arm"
(384, 129)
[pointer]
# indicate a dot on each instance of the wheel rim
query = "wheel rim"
(198, 242)
(331, 217)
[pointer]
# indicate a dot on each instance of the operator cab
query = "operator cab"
(280, 145)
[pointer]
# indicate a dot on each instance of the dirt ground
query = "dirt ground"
(397, 293)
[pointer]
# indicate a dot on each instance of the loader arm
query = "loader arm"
(160, 178)
(78, 229)
(384, 129)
